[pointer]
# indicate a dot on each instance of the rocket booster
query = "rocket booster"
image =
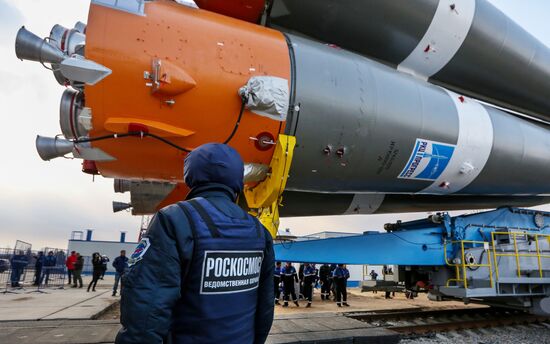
(467, 46)
(182, 76)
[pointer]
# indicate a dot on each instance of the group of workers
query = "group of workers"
(47, 265)
(331, 278)
(44, 266)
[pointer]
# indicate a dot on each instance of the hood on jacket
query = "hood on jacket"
(214, 163)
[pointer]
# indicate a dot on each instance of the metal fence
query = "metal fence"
(24, 270)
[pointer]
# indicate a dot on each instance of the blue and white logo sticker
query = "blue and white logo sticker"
(428, 160)
(139, 252)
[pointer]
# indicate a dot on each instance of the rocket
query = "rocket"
(384, 109)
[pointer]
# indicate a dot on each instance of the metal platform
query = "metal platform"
(498, 257)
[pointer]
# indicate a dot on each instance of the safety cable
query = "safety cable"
(159, 138)
(243, 103)
(132, 133)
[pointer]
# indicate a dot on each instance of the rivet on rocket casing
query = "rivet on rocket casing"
(445, 185)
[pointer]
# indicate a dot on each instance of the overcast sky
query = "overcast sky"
(42, 202)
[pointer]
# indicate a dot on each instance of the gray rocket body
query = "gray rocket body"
(365, 128)
(469, 47)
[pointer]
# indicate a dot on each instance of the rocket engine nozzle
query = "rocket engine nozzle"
(52, 147)
(122, 185)
(72, 66)
(29, 46)
(120, 206)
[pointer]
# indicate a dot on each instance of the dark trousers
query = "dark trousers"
(15, 276)
(276, 282)
(95, 277)
(70, 275)
(118, 278)
(37, 275)
(289, 291)
(325, 288)
(46, 275)
(77, 278)
(341, 291)
(308, 289)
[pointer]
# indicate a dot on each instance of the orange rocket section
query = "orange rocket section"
(176, 74)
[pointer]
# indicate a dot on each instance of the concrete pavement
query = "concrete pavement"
(55, 304)
(65, 316)
(59, 331)
(292, 329)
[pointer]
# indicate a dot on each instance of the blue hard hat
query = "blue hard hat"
(214, 163)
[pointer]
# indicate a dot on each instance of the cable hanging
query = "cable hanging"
(162, 139)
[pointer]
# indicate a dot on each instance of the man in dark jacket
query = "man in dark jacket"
(289, 276)
(203, 273)
(121, 265)
(18, 264)
(310, 278)
(340, 276)
(325, 277)
(38, 267)
(277, 282)
(49, 264)
(77, 272)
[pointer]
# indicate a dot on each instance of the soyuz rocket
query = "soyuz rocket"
(395, 106)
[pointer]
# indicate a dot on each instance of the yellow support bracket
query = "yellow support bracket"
(264, 198)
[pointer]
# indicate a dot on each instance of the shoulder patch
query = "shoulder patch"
(139, 252)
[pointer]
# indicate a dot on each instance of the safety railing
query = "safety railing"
(463, 266)
(461, 275)
(516, 254)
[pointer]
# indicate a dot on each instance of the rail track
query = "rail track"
(433, 321)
